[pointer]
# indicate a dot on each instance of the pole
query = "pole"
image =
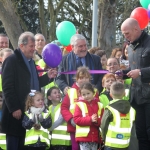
(94, 23)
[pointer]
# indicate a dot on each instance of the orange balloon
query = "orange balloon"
(141, 15)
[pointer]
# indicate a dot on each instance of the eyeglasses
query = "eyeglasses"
(114, 64)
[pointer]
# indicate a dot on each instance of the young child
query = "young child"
(36, 121)
(117, 120)
(87, 116)
(69, 101)
(105, 96)
(60, 138)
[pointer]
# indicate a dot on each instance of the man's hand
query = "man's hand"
(17, 114)
(66, 90)
(52, 73)
(133, 73)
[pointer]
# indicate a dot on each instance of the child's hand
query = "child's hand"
(37, 126)
(94, 118)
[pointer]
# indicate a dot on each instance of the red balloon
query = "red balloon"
(141, 15)
(68, 48)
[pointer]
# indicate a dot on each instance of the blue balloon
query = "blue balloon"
(52, 55)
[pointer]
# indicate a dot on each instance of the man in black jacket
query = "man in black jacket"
(19, 76)
(78, 57)
(139, 71)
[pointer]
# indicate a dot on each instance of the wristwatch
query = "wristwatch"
(139, 73)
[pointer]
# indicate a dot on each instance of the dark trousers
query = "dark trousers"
(15, 142)
(109, 148)
(142, 122)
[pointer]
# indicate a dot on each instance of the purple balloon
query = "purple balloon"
(148, 11)
(52, 55)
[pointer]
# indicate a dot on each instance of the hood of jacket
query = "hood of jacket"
(123, 106)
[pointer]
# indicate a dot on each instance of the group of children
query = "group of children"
(79, 120)
(84, 119)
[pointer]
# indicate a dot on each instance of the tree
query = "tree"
(107, 25)
(10, 21)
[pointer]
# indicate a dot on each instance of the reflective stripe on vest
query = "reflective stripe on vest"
(60, 136)
(33, 135)
(72, 93)
(73, 96)
(2, 141)
(119, 130)
(83, 131)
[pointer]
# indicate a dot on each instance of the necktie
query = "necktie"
(79, 62)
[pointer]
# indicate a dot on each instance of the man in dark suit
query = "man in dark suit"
(78, 57)
(19, 76)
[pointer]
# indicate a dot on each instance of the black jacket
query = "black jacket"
(16, 86)
(69, 64)
(139, 58)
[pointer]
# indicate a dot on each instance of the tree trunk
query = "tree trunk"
(10, 21)
(107, 25)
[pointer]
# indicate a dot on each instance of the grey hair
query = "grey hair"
(76, 37)
(38, 35)
(24, 37)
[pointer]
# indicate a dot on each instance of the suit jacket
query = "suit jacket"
(69, 64)
(139, 58)
(16, 86)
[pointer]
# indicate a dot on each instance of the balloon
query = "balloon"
(141, 15)
(64, 31)
(57, 43)
(148, 12)
(52, 55)
(145, 3)
(68, 48)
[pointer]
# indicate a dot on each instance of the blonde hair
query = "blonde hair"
(3, 50)
(82, 72)
(30, 99)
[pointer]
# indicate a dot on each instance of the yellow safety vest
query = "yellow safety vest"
(73, 96)
(60, 136)
(119, 130)
(3, 141)
(83, 131)
(33, 135)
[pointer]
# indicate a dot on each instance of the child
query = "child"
(69, 101)
(117, 120)
(87, 116)
(36, 121)
(105, 96)
(60, 137)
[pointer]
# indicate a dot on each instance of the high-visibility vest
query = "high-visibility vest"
(119, 130)
(33, 135)
(60, 136)
(3, 141)
(104, 99)
(83, 131)
(73, 96)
